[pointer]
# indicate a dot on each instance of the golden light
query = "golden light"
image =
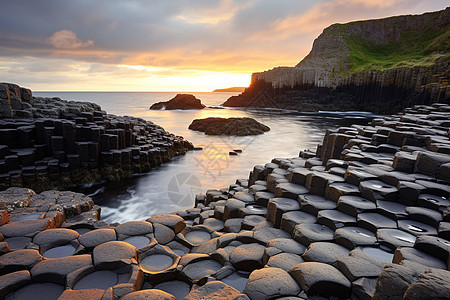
(203, 82)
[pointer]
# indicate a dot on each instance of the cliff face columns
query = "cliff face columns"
(49, 142)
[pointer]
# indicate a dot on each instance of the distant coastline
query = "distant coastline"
(235, 89)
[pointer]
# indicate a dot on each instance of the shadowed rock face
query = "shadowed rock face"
(180, 101)
(230, 126)
(80, 142)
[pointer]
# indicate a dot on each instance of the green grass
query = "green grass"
(412, 49)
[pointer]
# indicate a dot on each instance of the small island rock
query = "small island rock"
(180, 101)
(230, 126)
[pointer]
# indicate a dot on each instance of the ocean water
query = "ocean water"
(173, 185)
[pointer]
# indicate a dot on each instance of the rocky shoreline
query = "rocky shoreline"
(365, 216)
(53, 143)
(228, 126)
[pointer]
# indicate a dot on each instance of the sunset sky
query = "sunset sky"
(167, 45)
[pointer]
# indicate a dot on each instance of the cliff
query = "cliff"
(382, 65)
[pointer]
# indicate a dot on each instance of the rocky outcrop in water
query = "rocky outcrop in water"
(18, 102)
(365, 216)
(335, 74)
(228, 126)
(180, 101)
(49, 142)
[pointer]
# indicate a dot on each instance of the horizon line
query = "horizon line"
(95, 91)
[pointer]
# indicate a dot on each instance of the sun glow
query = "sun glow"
(173, 45)
(121, 77)
(146, 78)
(205, 82)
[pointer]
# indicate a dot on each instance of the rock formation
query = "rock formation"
(365, 216)
(228, 126)
(380, 65)
(49, 142)
(180, 101)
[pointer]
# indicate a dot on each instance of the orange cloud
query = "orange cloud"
(66, 39)
(322, 15)
(141, 45)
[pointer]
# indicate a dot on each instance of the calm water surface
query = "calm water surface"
(173, 185)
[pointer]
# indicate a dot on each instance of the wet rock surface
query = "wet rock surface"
(384, 234)
(228, 126)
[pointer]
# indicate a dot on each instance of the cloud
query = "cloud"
(313, 20)
(177, 37)
(224, 11)
(47, 74)
(66, 39)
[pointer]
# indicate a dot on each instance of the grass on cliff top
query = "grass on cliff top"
(413, 49)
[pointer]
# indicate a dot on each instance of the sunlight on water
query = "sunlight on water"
(162, 190)
(156, 262)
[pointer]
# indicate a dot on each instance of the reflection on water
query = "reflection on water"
(213, 167)
(160, 190)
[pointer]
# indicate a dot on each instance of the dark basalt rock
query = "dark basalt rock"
(55, 237)
(198, 270)
(364, 288)
(310, 233)
(351, 237)
(284, 261)
(317, 278)
(176, 223)
(82, 294)
(393, 238)
(417, 256)
(249, 238)
(247, 257)
(393, 282)
(17, 260)
(56, 270)
(149, 294)
(51, 143)
(434, 246)
(433, 285)
(180, 101)
(114, 254)
(325, 252)
(213, 290)
(94, 238)
(312, 204)
(230, 126)
(13, 281)
(271, 283)
(358, 265)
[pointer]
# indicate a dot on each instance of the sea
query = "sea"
(173, 185)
